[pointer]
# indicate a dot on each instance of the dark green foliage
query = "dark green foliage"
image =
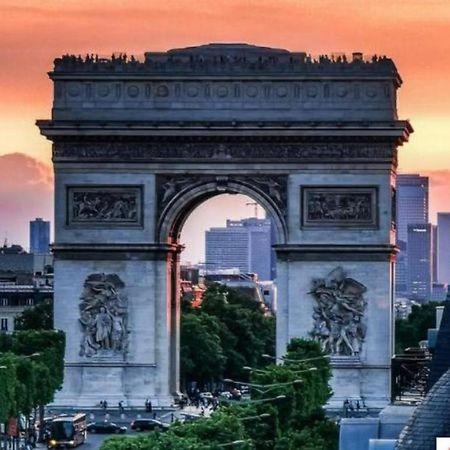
(238, 329)
(38, 317)
(408, 332)
(296, 422)
(34, 370)
(201, 355)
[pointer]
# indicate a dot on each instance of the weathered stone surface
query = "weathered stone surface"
(143, 143)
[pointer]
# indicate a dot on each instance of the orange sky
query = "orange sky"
(415, 33)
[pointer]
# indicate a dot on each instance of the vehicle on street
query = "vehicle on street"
(148, 425)
(67, 431)
(106, 427)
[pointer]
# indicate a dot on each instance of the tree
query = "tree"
(32, 370)
(408, 332)
(291, 422)
(37, 317)
(246, 331)
(201, 354)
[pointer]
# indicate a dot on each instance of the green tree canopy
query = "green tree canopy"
(409, 332)
(37, 317)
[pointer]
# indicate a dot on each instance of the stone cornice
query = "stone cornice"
(120, 252)
(397, 130)
(335, 252)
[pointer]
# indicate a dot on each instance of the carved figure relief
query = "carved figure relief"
(103, 316)
(273, 186)
(100, 205)
(343, 206)
(117, 151)
(339, 313)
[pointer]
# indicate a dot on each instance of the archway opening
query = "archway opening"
(227, 292)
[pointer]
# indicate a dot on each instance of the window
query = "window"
(4, 302)
(3, 324)
(30, 301)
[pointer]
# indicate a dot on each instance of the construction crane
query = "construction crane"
(255, 205)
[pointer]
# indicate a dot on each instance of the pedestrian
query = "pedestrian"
(105, 405)
(121, 408)
(101, 404)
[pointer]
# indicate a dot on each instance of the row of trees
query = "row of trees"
(229, 331)
(285, 412)
(31, 363)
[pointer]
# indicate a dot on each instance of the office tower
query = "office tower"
(420, 260)
(412, 203)
(443, 247)
(244, 244)
(435, 253)
(39, 236)
(411, 208)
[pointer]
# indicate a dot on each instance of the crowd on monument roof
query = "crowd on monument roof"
(218, 61)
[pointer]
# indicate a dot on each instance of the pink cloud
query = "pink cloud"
(26, 192)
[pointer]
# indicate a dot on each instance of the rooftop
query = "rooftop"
(226, 58)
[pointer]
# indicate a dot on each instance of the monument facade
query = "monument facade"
(139, 144)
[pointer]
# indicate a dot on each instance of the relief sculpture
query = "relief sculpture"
(339, 206)
(103, 316)
(104, 205)
(339, 313)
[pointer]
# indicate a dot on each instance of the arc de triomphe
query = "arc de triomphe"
(137, 145)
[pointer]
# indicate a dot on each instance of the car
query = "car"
(148, 425)
(105, 428)
(206, 395)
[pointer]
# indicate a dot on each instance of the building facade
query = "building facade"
(443, 247)
(412, 202)
(243, 244)
(420, 261)
(411, 208)
(39, 236)
(139, 144)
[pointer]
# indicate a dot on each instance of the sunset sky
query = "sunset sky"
(414, 33)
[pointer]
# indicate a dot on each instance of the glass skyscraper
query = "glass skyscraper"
(244, 244)
(39, 236)
(411, 209)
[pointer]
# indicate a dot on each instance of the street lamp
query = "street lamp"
(261, 371)
(229, 444)
(260, 416)
(264, 388)
(283, 358)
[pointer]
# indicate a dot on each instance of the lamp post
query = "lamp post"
(262, 371)
(276, 358)
(231, 444)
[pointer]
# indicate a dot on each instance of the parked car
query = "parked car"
(105, 428)
(148, 425)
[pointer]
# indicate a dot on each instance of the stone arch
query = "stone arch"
(174, 211)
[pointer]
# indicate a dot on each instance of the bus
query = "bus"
(67, 431)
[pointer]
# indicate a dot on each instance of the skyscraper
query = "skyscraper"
(245, 244)
(420, 260)
(412, 202)
(411, 208)
(39, 236)
(443, 247)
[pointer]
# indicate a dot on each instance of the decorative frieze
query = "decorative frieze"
(339, 207)
(223, 152)
(272, 187)
(104, 205)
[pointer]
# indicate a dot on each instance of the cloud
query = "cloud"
(26, 192)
